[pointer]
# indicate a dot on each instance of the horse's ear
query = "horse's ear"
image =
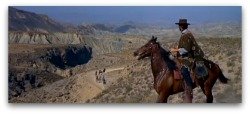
(154, 38)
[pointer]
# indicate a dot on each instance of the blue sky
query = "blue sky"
(143, 14)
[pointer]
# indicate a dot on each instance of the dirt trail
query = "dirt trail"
(96, 87)
(92, 72)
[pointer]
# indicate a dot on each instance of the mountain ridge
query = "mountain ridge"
(20, 20)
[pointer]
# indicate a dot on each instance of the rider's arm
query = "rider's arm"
(180, 50)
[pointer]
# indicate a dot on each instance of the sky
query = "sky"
(141, 14)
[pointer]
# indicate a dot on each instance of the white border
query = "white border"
(123, 108)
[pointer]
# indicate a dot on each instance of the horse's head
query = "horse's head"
(147, 49)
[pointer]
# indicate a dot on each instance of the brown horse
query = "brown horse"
(162, 68)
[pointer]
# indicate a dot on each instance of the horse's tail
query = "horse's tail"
(222, 78)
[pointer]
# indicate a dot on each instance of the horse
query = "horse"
(163, 72)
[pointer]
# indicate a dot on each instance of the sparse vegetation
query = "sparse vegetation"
(230, 70)
(230, 63)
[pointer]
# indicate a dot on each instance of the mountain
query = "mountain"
(20, 20)
(31, 28)
(124, 28)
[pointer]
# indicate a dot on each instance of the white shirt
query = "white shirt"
(185, 31)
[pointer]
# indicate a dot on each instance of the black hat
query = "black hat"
(182, 21)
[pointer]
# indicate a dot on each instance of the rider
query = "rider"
(188, 51)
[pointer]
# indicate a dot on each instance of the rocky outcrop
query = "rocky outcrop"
(45, 38)
(22, 80)
(99, 43)
(60, 57)
(32, 70)
(68, 57)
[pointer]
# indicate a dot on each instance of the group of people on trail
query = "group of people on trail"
(100, 76)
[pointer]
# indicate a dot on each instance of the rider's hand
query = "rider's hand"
(174, 49)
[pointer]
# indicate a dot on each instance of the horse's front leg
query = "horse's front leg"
(162, 98)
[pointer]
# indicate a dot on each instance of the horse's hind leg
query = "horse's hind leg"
(209, 95)
(208, 90)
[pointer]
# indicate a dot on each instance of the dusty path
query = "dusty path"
(90, 75)
(94, 87)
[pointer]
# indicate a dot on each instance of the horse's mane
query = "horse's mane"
(165, 54)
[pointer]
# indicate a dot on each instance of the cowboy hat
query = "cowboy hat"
(182, 22)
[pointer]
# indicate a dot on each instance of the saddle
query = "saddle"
(198, 70)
